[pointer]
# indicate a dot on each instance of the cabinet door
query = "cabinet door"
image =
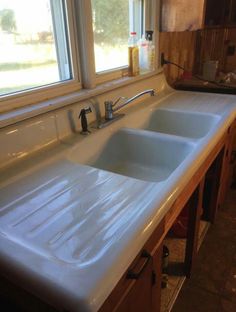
(139, 298)
(233, 13)
(220, 12)
(226, 12)
(214, 12)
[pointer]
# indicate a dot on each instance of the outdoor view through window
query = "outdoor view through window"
(111, 33)
(33, 44)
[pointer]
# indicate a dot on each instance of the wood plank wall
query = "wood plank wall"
(178, 47)
(191, 48)
(212, 44)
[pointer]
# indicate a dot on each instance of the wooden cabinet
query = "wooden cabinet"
(185, 15)
(233, 13)
(220, 13)
(139, 297)
(139, 289)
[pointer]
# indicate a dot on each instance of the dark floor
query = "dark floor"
(212, 287)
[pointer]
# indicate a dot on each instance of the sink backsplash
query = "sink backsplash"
(23, 138)
(26, 137)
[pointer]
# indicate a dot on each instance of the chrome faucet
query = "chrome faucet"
(110, 106)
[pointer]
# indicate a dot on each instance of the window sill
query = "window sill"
(29, 111)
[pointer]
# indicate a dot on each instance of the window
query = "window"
(49, 46)
(34, 45)
(112, 23)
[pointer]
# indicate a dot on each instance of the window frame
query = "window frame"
(136, 9)
(149, 22)
(81, 41)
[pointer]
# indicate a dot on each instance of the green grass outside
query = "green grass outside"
(26, 65)
(4, 91)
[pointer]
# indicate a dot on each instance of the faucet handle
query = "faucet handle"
(119, 99)
(108, 110)
(84, 123)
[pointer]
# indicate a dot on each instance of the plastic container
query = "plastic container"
(151, 50)
(143, 54)
(210, 70)
(133, 55)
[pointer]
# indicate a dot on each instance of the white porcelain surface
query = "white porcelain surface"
(182, 123)
(140, 154)
(70, 221)
(67, 118)
(22, 139)
(57, 212)
(68, 122)
(68, 231)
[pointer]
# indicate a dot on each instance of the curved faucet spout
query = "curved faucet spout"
(109, 105)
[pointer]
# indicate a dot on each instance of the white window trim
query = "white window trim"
(86, 39)
(33, 110)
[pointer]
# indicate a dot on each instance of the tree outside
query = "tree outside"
(111, 25)
(7, 20)
(28, 53)
(111, 32)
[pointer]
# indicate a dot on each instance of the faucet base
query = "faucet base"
(104, 123)
(85, 132)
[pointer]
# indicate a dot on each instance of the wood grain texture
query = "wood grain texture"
(122, 298)
(182, 15)
(195, 210)
(212, 44)
(178, 47)
(192, 49)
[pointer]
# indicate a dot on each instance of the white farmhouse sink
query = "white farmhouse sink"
(139, 154)
(186, 124)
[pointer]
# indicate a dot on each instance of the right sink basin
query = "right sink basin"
(187, 124)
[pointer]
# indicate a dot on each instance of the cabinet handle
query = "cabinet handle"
(135, 275)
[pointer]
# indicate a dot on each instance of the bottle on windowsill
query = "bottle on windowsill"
(133, 55)
(143, 55)
(151, 50)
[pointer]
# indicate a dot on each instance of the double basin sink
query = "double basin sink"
(153, 150)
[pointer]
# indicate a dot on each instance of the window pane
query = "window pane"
(111, 31)
(34, 49)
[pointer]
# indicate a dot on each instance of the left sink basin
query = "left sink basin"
(139, 154)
